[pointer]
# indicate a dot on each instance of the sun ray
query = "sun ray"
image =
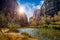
(21, 9)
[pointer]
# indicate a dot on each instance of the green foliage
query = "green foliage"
(43, 20)
(44, 26)
(50, 22)
(12, 25)
(55, 23)
(50, 34)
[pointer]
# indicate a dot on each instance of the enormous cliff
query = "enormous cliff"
(9, 13)
(21, 19)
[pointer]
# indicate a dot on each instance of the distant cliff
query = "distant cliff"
(34, 20)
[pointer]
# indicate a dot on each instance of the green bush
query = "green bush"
(56, 23)
(12, 25)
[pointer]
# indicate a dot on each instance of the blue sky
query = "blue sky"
(30, 6)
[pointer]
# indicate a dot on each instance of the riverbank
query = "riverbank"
(32, 34)
(16, 36)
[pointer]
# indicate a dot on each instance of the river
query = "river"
(36, 33)
(31, 31)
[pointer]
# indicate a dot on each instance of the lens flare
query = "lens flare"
(21, 9)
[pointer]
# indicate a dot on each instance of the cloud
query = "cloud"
(41, 2)
(38, 6)
(29, 8)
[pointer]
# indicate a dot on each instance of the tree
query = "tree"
(13, 26)
(43, 20)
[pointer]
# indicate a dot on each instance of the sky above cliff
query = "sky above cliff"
(30, 6)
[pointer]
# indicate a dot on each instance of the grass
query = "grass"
(49, 34)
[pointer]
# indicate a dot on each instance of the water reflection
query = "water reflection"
(41, 34)
(31, 31)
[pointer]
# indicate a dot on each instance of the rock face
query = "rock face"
(48, 8)
(21, 19)
(8, 5)
(9, 8)
(7, 11)
(36, 17)
(51, 7)
(36, 14)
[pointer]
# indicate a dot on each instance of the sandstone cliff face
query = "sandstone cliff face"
(9, 9)
(36, 13)
(36, 17)
(21, 19)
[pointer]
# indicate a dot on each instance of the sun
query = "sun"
(21, 9)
